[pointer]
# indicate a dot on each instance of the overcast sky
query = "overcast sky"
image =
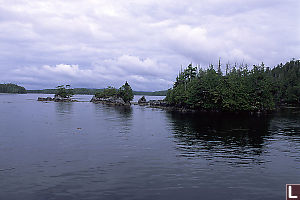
(97, 43)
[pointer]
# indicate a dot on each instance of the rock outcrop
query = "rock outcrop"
(158, 103)
(142, 101)
(56, 98)
(116, 101)
(45, 99)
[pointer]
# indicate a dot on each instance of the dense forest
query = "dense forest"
(238, 89)
(286, 82)
(12, 88)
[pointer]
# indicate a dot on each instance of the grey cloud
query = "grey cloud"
(144, 42)
(143, 74)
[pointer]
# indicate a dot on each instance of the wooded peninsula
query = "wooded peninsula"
(12, 88)
(239, 89)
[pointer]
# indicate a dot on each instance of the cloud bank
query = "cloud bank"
(99, 43)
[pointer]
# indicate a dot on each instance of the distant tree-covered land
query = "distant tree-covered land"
(75, 91)
(94, 91)
(238, 89)
(156, 93)
(12, 88)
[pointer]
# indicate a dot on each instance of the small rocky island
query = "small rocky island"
(123, 97)
(56, 99)
(113, 96)
(142, 101)
(152, 103)
(63, 94)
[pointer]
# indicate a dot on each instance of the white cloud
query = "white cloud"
(141, 41)
(142, 74)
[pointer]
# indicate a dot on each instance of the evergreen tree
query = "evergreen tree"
(126, 93)
(64, 91)
(107, 92)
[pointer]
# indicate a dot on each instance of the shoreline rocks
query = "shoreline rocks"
(161, 104)
(165, 106)
(158, 103)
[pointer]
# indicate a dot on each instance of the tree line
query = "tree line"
(91, 91)
(238, 89)
(87, 91)
(12, 88)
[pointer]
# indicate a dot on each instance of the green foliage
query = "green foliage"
(186, 76)
(126, 93)
(12, 88)
(286, 82)
(64, 91)
(107, 92)
(240, 89)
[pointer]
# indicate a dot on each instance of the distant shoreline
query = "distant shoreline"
(86, 91)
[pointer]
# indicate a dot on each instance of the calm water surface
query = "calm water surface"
(81, 150)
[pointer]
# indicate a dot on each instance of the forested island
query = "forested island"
(113, 96)
(238, 89)
(12, 88)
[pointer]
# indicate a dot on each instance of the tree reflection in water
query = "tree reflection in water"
(287, 122)
(237, 138)
(118, 117)
(63, 108)
(123, 112)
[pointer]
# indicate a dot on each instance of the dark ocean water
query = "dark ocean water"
(81, 150)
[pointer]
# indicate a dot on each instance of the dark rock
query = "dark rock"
(142, 101)
(56, 98)
(45, 99)
(49, 99)
(158, 103)
(116, 101)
